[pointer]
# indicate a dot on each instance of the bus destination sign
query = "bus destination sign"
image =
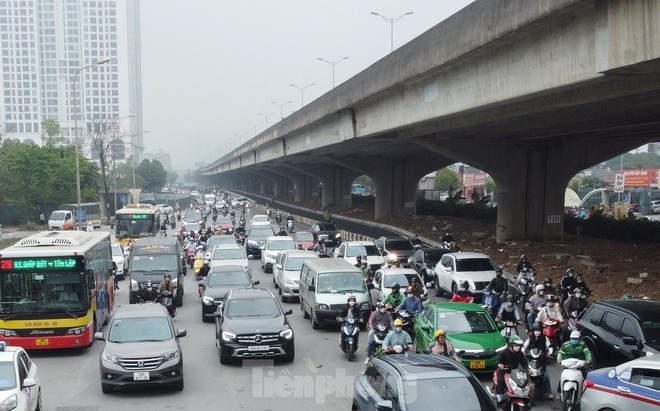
(38, 264)
(134, 216)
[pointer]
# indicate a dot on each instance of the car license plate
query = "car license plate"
(258, 348)
(479, 364)
(141, 376)
(42, 341)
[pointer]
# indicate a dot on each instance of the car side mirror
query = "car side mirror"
(311, 288)
(29, 382)
(256, 282)
(99, 336)
(449, 268)
(182, 333)
(424, 326)
(429, 285)
(384, 405)
(288, 312)
(371, 286)
(500, 325)
(278, 266)
(340, 255)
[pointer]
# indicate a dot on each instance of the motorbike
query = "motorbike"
(551, 331)
(199, 262)
(167, 300)
(173, 224)
(289, 225)
(570, 383)
(350, 331)
(525, 288)
(278, 218)
(518, 387)
(380, 332)
(148, 294)
(510, 328)
(537, 361)
(178, 216)
(190, 258)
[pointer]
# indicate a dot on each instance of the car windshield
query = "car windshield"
(399, 245)
(217, 240)
(287, 244)
(138, 329)
(304, 237)
(252, 307)
(456, 394)
(433, 256)
(355, 250)
(227, 278)
(192, 226)
(295, 264)
(465, 322)
(651, 330)
(475, 264)
(403, 279)
(7, 375)
(228, 254)
(155, 262)
(116, 250)
(327, 227)
(261, 232)
(332, 283)
(57, 215)
(260, 219)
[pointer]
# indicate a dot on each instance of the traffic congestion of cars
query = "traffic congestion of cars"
(251, 321)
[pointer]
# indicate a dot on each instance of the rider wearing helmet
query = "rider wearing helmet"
(204, 271)
(411, 303)
(567, 284)
(575, 348)
(509, 311)
(395, 298)
(488, 300)
(576, 303)
(397, 338)
(511, 358)
(464, 295)
(536, 302)
(379, 317)
(524, 264)
(441, 346)
(549, 287)
(542, 343)
(167, 284)
(351, 309)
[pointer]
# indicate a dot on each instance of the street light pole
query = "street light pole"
(75, 130)
(255, 126)
(133, 161)
(333, 64)
(265, 116)
(281, 106)
(302, 92)
(392, 21)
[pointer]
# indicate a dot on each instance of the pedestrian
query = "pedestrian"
(42, 219)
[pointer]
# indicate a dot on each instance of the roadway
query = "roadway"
(320, 376)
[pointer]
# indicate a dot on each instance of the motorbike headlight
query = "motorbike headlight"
(364, 306)
(227, 336)
(171, 354)
(288, 334)
(109, 357)
(208, 300)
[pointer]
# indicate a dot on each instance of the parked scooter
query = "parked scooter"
(518, 385)
(350, 332)
(167, 300)
(537, 361)
(570, 383)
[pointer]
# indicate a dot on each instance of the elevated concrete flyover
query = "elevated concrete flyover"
(530, 91)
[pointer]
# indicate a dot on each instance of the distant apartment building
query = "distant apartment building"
(163, 157)
(44, 43)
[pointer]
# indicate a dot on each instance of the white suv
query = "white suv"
(349, 250)
(286, 274)
(454, 268)
(275, 244)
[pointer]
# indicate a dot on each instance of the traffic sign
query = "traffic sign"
(619, 182)
(122, 198)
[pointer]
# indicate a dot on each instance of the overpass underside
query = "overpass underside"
(529, 92)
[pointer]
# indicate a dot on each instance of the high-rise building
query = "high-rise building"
(162, 156)
(44, 43)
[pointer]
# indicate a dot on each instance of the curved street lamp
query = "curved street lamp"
(392, 21)
(333, 64)
(281, 106)
(75, 130)
(302, 92)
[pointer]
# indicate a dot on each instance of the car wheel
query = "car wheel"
(594, 353)
(315, 323)
(39, 406)
(454, 289)
(305, 315)
(106, 388)
(436, 285)
(178, 386)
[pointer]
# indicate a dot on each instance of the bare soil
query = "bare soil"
(609, 268)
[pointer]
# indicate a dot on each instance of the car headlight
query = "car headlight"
(108, 357)
(322, 307)
(288, 334)
(502, 348)
(252, 243)
(227, 336)
(134, 285)
(171, 354)
(208, 300)
(8, 333)
(10, 403)
(364, 306)
(391, 256)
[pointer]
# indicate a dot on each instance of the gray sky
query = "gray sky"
(210, 66)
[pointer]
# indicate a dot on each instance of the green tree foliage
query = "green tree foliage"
(446, 180)
(51, 131)
(152, 175)
(490, 185)
(172, 177)
(634, 161)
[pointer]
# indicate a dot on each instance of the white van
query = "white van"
(324, 287)
(61, 220)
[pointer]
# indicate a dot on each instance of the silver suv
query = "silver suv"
(141, 349)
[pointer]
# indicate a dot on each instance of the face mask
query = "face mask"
(486, 293)
(509, 304)
(352, 303)
(537, 333)
(516, 348)
(382, 310)
(578, 295)
(397, 329)
(409, 295)
(575, 341)
(571, 274)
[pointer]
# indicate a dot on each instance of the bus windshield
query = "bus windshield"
(127, 228)
(38, 293)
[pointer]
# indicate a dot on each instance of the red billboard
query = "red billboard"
(641, 177)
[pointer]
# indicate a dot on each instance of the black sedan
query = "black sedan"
(218, 281)
(423, 260)
(250, 323)
(256, 240)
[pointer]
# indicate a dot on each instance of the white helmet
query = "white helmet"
(539, 287)
(576, 334)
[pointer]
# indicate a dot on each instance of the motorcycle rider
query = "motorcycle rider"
(397, 337)
(509, 312)
(499, 287)
(319, 247)
(549, 287)
(574, 348)
(579, 283)
(552, 311)
(442, 347)
(350, 310)
(448, 238)
(536, 302)
(327, 217)
(524, 263)
(538, 340)
(511, 358)
(366, 271)
(358, 260)
(204, 271)
(168, 285)
(380, 316)
(464, 295)
(576, 302)
(489, 303)
(395, 298)
(567, 284)
(411, 303)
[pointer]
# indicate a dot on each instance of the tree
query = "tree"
(152, 175)
(490, 186)
(172, 177)
(51, 132)
(446, 180)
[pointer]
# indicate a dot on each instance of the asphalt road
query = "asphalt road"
(319, 378)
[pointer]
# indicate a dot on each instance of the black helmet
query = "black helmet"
(395, 285)
(167, 277)
(509, 298)
(547, 280)
(536, 326)
(465, 285)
